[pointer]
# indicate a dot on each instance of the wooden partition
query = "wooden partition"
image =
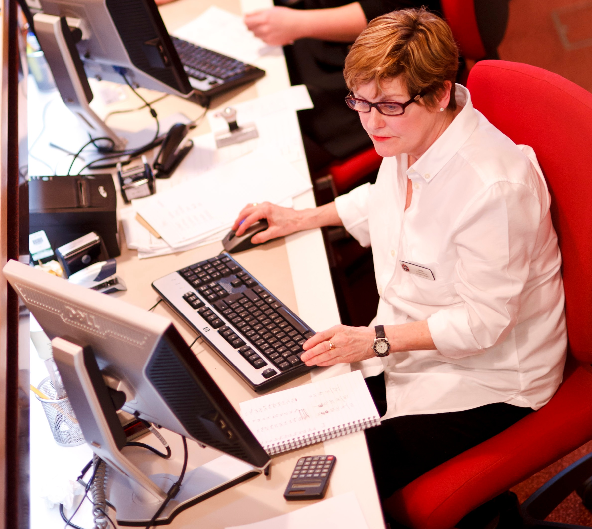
(14, 329)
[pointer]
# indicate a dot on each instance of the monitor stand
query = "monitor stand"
(139, 480)
(133, 507)
(59, 47)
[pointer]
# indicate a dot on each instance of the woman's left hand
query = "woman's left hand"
(338, 345)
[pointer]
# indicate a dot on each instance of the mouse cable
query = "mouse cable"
(174, 490)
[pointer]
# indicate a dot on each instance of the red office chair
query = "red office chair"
(554, 116)
(460, 15)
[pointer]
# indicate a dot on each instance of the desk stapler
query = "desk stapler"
(173, 150)
(234, 134)
(100, 277)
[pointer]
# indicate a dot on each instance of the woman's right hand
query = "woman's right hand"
(281, 221)
(276, 26)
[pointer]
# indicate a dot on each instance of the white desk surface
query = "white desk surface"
(311, 296)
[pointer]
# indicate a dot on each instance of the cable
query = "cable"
(152, 449)
(193, 342)
(86, 489)
(129, 154)
(193, 124)
(97, 491)
(152, 111)
(174, 490)
(155, 305)
(68, 522)
(43, 124)
(89, 142)
(133, 109)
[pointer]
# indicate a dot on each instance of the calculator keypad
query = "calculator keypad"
(310, 478)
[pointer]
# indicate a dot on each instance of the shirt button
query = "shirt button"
(393, 253)
(380, 291)
(415, 185)
(427, 176)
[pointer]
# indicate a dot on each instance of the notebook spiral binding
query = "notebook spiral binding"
(321, 435)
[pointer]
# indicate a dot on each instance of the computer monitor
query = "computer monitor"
(107, 350)
(106, 39)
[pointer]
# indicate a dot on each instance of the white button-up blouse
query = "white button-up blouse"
(475, 255)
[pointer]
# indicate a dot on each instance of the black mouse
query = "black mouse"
(234, 244)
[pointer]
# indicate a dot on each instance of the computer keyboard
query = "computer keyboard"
(212, 73)
(252, 330)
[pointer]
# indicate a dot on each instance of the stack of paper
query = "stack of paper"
(199, 209)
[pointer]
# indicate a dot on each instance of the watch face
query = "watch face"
(381, 347)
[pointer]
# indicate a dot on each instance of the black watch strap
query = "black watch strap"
(379, 331)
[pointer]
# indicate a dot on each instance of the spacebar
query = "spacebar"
(291, 320)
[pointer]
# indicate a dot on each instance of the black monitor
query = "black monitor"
(109, 351)
(107, 40)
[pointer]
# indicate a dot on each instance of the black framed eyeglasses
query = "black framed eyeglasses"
(386, 108)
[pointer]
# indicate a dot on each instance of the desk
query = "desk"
(296, 270)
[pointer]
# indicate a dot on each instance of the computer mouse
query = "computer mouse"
(234, 244)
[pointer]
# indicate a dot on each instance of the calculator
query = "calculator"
(310, 478)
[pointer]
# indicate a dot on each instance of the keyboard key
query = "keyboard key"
(293, 321)
(259, 363)
(268, 373)
(237, 342)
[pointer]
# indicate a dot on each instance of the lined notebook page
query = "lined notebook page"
(311, 413)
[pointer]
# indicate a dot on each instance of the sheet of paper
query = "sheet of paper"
(341, 511)
(203, 157)
(221, 31)
(293, 98)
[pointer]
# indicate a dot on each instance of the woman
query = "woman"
(466, 258)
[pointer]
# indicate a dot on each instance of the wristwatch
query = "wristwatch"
(381, 345)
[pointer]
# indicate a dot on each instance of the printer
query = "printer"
(68, 207)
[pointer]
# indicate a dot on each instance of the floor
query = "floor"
(555, 35)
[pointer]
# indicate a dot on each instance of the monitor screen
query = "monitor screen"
(142, 355)
(123, 36)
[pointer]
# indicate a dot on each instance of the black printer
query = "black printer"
(68, 207)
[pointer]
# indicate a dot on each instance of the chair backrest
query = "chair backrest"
(460, 15)
(554, 116)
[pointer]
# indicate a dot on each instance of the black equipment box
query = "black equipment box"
(68, 207)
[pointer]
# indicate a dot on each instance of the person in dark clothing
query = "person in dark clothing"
(316, 37)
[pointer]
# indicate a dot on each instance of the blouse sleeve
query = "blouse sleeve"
(352, 209)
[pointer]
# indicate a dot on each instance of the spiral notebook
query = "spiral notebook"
(311, 413)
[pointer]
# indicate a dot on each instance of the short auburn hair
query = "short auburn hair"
(412, 44)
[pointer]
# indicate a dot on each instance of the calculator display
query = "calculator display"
(306, 484)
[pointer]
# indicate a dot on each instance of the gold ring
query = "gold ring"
(331, 345)
(254, 204)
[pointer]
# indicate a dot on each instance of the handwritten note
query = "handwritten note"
(311, 413)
